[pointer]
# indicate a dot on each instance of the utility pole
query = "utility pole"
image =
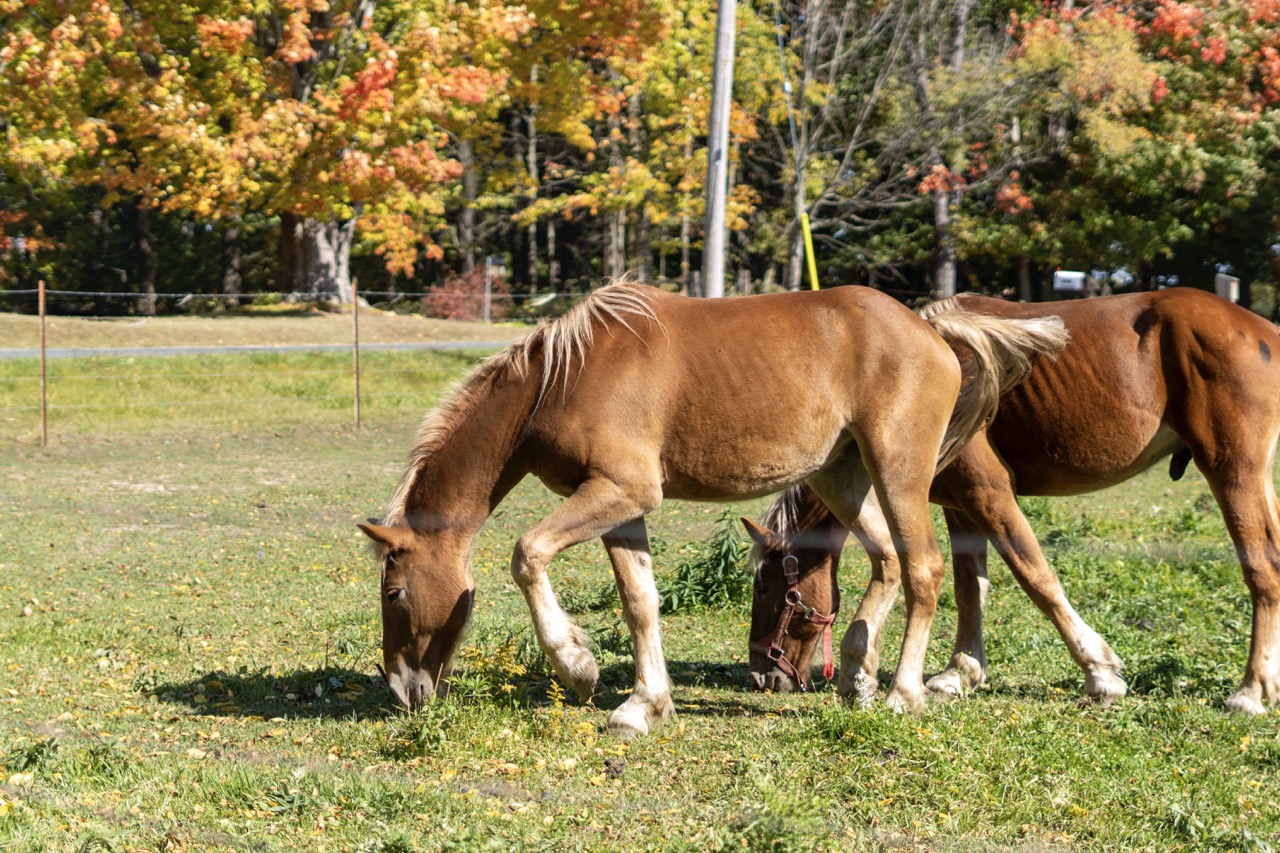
(718, 150)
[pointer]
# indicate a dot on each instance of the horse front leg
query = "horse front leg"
(650, 700)
(597, 507)
(860, 649)
(901, 548)
(967, 669)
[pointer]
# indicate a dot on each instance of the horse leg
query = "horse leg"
(650, 699)
(860, 648)
(1252, 515)
(597, 507)
(979, 484)
(905, 507)
(968, 667)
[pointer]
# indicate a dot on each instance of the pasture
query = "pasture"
(196, 671)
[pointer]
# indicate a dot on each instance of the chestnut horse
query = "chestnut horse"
(636, 395)
(1177, 372)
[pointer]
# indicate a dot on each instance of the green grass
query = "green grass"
(197, 672)
(235, 392)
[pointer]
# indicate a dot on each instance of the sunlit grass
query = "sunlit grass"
(197, 669)
(226, 391)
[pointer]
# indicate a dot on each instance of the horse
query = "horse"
(636, 395)
(1175, 373)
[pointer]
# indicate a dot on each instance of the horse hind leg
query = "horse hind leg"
(1252, 515)
(967, 669)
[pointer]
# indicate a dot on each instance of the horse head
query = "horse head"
(794, 603)
(427, 594)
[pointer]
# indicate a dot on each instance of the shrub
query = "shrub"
(461, 297)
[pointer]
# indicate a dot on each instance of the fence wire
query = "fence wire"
(137, 381)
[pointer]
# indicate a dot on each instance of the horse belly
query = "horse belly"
(1075, 465)
(743, 464)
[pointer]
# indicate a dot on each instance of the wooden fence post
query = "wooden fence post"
(44, 392)
(355, 345)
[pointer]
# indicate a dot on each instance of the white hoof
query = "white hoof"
(576, 666)
(1104, 686)
(948, 683)
(905, 701)
(634, 717)
(1244, 702)
(858, 686)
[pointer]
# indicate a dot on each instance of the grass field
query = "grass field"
(196, 671)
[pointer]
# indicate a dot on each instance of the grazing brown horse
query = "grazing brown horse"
(1177, 372)
(637, 395)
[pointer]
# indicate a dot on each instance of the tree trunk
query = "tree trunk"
(553, 265)
(684, 255)
(315, 258)
(795, 262)
(533, 180)
(662, 253)
(146, 256)
(615, 244)
(1024, 278)
(232, 281)
(291, 259)
(470, 191)
(640, 246)
(944, 271)
(615, 247)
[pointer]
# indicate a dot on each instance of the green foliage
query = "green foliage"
(714, 576)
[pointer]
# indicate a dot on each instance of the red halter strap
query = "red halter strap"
(771, 645)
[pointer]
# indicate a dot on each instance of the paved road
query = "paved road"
(127, 352)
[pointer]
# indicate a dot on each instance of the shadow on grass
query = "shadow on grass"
(331, 691)
(338, 692)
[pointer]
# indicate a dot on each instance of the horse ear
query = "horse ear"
(760, 535)
(385, 537)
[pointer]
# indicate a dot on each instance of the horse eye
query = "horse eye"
(394, 593)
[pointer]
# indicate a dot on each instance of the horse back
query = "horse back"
(780, 380)
(1142, 374)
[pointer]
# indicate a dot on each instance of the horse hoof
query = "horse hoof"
(903, 702)
(1241, 702)
(776, 681)
(1105, 687)
(578, 667)
(633, 718)
(948, 684)
(859, 687)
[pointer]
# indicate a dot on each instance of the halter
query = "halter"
(771, 645)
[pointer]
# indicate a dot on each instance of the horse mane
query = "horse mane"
(782, 517)
(995, 354)
(561, 341)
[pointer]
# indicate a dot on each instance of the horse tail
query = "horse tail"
(995, 354)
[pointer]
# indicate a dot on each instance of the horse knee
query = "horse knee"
(528, 561)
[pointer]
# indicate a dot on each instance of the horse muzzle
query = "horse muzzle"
(772, 678)
(415, 689)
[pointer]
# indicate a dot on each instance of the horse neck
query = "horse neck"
(464, 480)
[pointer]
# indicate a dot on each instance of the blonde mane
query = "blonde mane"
(563, 342)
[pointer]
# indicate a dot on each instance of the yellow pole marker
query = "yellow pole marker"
(808, 251)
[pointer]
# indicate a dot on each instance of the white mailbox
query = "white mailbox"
(1069, 281)
(1227, 286)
